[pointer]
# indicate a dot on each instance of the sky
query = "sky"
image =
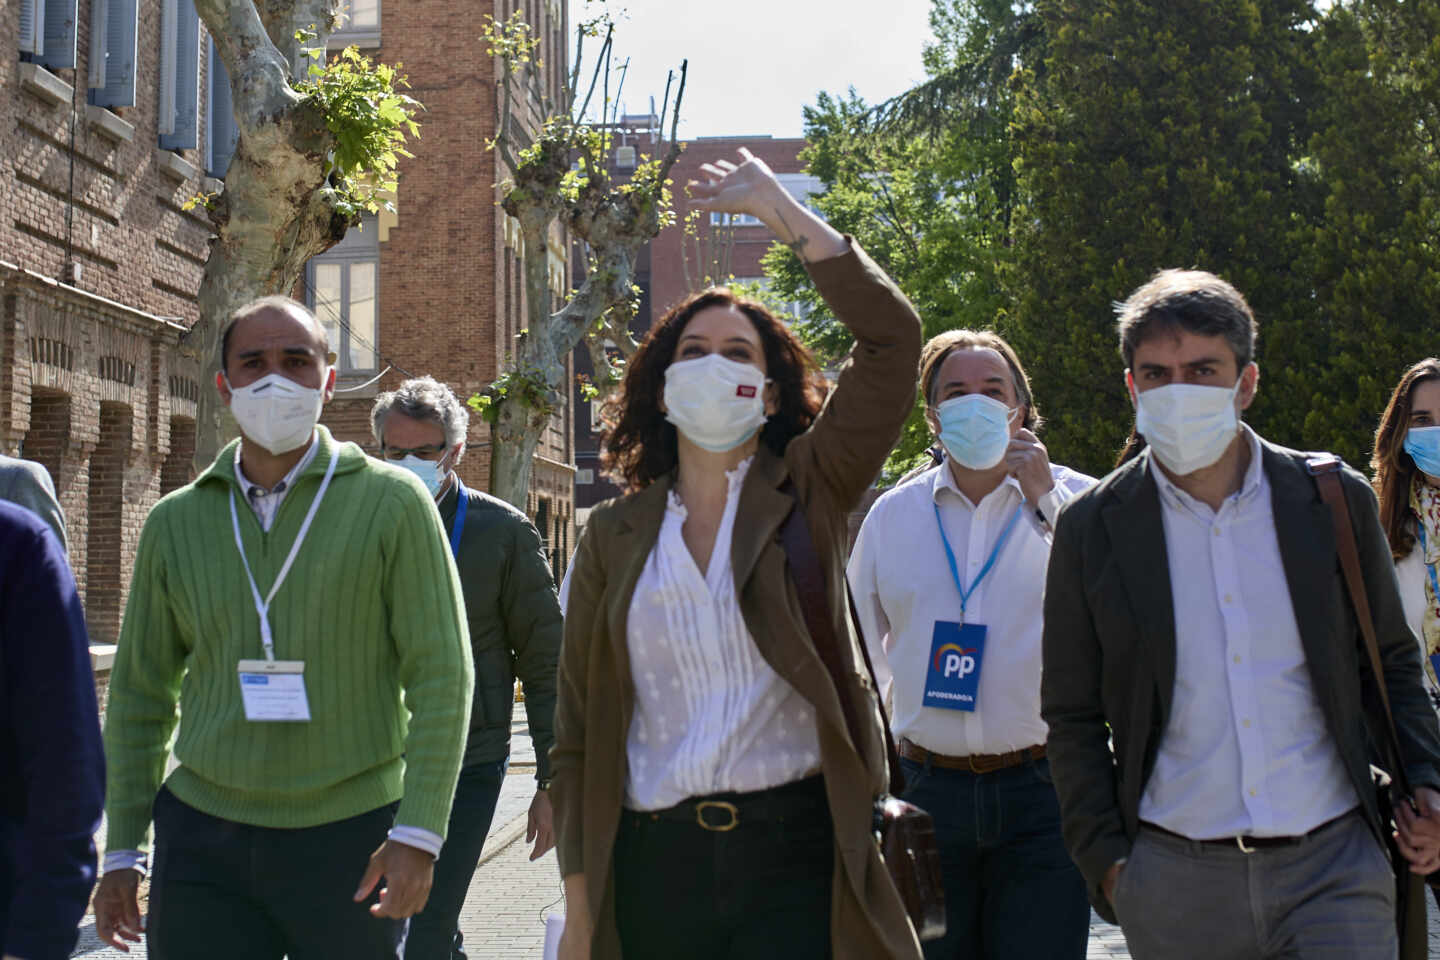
(755, 64)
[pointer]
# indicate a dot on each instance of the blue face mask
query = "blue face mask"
(428, 471)
(1423, 445)
(975, 430)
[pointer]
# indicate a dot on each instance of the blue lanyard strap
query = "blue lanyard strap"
(965, 595)
(458, 525)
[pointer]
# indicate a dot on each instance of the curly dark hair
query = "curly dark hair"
(641, 446)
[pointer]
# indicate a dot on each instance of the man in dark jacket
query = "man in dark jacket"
(515, 630)
(1204, 671)
(52, 769)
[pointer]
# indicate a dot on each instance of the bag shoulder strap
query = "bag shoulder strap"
(809, 579)
(1325, 468)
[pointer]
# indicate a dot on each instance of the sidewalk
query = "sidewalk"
(504, 915)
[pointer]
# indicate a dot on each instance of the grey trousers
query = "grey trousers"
(1330, 896)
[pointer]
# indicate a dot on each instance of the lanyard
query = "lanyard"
(965, 595)
(262, 607)
(462, 502)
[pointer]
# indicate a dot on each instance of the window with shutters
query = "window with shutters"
(360, 26)
(342, 286)
(220, 130)
(113, 52)
(47, 32)
(179, 109)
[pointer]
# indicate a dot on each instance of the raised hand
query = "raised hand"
(750, 187)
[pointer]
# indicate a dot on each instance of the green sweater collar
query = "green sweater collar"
(351, 458)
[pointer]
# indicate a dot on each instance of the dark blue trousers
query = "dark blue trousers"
(434, 932)
(1011, 890)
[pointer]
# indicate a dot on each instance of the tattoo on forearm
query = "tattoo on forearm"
(796, 245)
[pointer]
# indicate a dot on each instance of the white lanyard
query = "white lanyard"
(262, 607)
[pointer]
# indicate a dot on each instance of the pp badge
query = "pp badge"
(274, 690)
(952, 677)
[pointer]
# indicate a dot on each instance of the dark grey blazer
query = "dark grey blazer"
(1109, 647)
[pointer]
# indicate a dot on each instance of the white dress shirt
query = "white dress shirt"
(266, 504)
(710, 714)
(1246, 750)
(902, 585)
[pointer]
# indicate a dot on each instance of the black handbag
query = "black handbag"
(905, 832)
(1392, 787)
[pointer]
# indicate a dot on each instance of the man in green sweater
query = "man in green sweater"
(298, 603)
(515, 630)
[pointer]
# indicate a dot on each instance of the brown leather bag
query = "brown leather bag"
(1393, 788)
(906, 833)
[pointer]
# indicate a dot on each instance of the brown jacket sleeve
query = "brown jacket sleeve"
(862, 417)
(567, 756)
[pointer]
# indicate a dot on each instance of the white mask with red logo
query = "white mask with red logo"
(717, 403)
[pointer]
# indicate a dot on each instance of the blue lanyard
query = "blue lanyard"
(458, 526)
(1434, 585)
(965, 595)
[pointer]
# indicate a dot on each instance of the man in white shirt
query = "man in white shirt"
(947, 574)
(1205, 683)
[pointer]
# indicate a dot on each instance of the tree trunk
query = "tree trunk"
(271, 217)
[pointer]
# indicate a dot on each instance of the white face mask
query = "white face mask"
(1189, 426)
(278, 414)
(716, 402)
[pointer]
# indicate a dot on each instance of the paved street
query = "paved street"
(510, 897)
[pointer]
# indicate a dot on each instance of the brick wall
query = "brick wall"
(451, 287)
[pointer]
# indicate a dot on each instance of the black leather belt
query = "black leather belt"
(1245, 843)
(723, 812)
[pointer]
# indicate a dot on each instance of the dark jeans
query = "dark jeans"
(759, 891)
(1011, 890)
(224, 890)
(434, 932)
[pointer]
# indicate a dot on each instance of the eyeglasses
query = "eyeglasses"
(424, 453)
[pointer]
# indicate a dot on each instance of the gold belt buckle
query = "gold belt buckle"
(725, 805)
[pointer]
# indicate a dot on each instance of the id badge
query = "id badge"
(1435, 665)
(952, 675)
(274, 690)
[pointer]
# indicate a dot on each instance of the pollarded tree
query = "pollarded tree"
(316, 146)
(559, 178)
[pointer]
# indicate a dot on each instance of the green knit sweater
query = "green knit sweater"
(372, 605)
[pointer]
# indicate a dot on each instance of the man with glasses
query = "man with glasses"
(515, 629)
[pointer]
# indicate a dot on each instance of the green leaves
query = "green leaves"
(371, 120)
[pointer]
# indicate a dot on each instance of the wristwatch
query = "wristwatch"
(542, 784)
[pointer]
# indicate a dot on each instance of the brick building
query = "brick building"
(682, 260)
(437, 288)
(114, 113)
(103, 138)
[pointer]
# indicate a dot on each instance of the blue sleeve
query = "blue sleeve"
(59, 767)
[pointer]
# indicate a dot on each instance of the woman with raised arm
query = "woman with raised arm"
(709, 802)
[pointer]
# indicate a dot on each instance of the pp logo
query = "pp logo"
(957, 662)
(745, 390)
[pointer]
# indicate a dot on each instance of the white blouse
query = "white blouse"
(711, 715)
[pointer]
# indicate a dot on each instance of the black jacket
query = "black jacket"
(1109, 648)
(515, 629)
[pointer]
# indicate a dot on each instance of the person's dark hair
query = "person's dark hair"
(933, 354)
(641, 445)
(272, 302)
(1393, 468)
(1192, 300)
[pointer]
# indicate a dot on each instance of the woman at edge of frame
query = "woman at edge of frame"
(745, 829)
(1406, 467)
